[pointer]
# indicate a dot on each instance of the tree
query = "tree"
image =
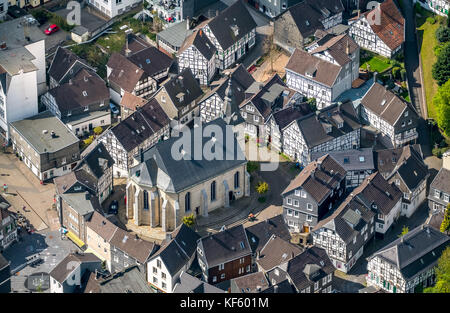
(396, 72)
(441, 102)
(443, 34)
(262, 188)
(403, 74)
(252, 166)
(269, 49)
(312, 102)
(98, 130)
(442, 274)
(405, 230)
(445, 226)
(189, 220)
(441, 70)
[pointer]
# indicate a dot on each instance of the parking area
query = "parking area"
(50, 247)
(54, 40)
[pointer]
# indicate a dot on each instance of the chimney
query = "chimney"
(313, 173)
(347, 48)
(275, 289)
(52, 133)
(141, 154)
(375, 76)
(217, 12)
(339, 106)
(359, 13)
(127, 51)
(70, 81)
(87, 195)
(188, 23)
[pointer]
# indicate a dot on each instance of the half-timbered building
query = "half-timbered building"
(312, 194)
(439, 195)
(380, 30)
(141, 130)
(233, 32)
(344, 233)
(198, 54)
(394, 118)
(441, 7)
(334, 128)
(407, 265)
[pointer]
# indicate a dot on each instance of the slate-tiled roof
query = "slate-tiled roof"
(62, 270)
(151, 60)
(288, 114)
(442, 181)
(84, 89)
(97, 161)
(312, 125)
(348, 220)
(200, 41)
(310, 257)
(258, 234)
(130, 280)
(250, 283)
(189, 284)
(281, 287)
(140, 125)
(161, 169)
(406, 252)
(385, 103)
(63, 60)
(376, 190)
(318, 178)
(3, 262)
(236, 15)
(337, 47)
(132, 245)
(313, 67)
(225, 246)
(309, 14)
(64, 182)
(124, 73)
(185, 84)
(276, 252)
(388, 159)
(391, 27)
(177, 251)
(352, 159)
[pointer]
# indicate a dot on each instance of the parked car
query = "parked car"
(113, 207)
(51, 29)
(114, 108)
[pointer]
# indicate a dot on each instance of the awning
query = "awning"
(75, 239)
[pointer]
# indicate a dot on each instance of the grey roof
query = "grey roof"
(14, 32)
(236, 16)
(224, 246)
(442, 181)
(132, 245)
(309, 262)
(130, 280)
(62, 270)
(3, 262)
(176, 252)
(200, 41)
(288, 114)
(281, 287)
(276, 252)
(190, 284)
(388, 159)
(258, 234)
(351, 160)
(355, 95)
(31, 129)
(63, 61)
(250, 283)
(16, 60)
(97, 161)
(186, 84)
(80, 204)
(406, 252)
(312, 126)
(160, 168)
(176, 34)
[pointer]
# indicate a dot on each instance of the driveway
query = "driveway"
(54, 40)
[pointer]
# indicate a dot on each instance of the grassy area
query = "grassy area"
(95, 57)
(427, 38)
(377, 62)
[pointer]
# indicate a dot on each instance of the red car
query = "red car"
(51, 29)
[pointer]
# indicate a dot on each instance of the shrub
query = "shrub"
(443, 34)
(98, 130)
(262, 188)
(403, 75)
(431, 20)
(189, 220)
(438, 152)
(252, 166)
(88, 141)
(396, 72)
(441, 70)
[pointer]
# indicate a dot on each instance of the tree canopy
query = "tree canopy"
(441, 69)
(445, 226)
(442, 274)
(441, 102)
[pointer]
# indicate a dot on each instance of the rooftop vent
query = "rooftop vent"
(53, 134)
(45, 131)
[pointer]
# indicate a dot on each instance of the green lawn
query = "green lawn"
(426, 35)
(377, 63)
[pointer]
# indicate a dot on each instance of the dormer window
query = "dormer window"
(307, 23)
(340, 125)
(361, 159)
(406, 114)
(85, 93)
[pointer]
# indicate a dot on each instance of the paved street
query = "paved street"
(54, 40)
(24, 189)
(50, 248)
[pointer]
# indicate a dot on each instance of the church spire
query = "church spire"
(228, 103)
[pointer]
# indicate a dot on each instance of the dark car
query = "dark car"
(113, 207)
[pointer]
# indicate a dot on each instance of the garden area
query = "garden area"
(373, 62)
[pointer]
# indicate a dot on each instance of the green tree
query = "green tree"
(405, 230)
(442, 274)
(443, 34)
(98, 130)
(252, 166)
(441, 69)
(441, 102)
(396, 72)
(445, 226)
(312, 103)
(189, 220)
